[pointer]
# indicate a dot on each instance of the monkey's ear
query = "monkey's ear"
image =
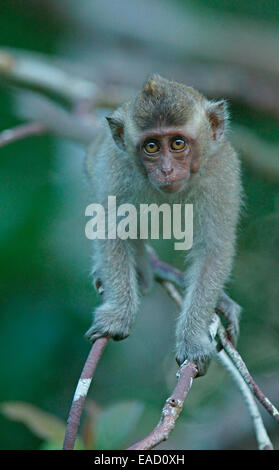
(117, 129)
(217, 113)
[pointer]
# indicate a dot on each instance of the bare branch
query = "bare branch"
(62, 123)
(214, 79)
(187, 373)
(262, 437)
(81, 392)
(163, 271)
(241, 367)
(52, 119)
(28, 69)
(235, 370)
(34, 70)
(171, 410)
(21, 132)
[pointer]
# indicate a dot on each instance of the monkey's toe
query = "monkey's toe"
(202, 363)
(93, 333)
(101, 329)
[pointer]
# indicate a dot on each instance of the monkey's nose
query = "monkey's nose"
(167, 171)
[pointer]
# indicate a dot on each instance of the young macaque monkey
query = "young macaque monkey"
(168, 145)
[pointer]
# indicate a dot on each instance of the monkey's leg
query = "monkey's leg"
(116, 270)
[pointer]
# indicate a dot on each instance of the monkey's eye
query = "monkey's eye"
(151, 146)
(178, 143)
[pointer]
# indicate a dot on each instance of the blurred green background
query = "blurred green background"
(46, 293)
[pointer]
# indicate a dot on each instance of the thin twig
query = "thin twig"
(241, 367)
(81, 392)
(164, 271)
(262, 437)
(21, 132)
(171, 410)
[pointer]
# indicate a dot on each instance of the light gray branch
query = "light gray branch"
(27, 69)
(262, 437)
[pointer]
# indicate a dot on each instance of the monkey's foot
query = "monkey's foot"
(231, 311)
(198, 350)
(109, 322)
(202, 362)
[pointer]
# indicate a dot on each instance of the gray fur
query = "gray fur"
(215, 191)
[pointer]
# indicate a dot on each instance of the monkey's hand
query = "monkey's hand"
(110, 321)
(198, 347)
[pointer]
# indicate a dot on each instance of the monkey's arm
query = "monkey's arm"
(114, 266)
(210, 264)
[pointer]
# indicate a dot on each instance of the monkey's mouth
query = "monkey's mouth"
(172, 186)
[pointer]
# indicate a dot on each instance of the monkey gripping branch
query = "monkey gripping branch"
(167, 144)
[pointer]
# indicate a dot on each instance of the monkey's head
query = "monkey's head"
(170, 129)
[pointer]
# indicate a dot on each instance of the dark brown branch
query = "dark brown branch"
(21, 132)
(81, 392)
(171, 410)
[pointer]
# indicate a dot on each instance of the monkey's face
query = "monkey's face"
(167, 155)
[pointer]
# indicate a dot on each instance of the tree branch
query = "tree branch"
(241, 367)
(235, 365)
(214, 79)
(226, 343)
(81, 392)
(21, 132)
(171, 410)
(26, 68)
(38, 71)
(262, 437)
(186, 374)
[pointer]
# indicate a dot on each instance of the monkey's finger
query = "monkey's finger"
(201, 363)
(202, 366)
(92, 334)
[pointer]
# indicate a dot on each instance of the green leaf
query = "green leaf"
(42, 424)
(116, 423)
